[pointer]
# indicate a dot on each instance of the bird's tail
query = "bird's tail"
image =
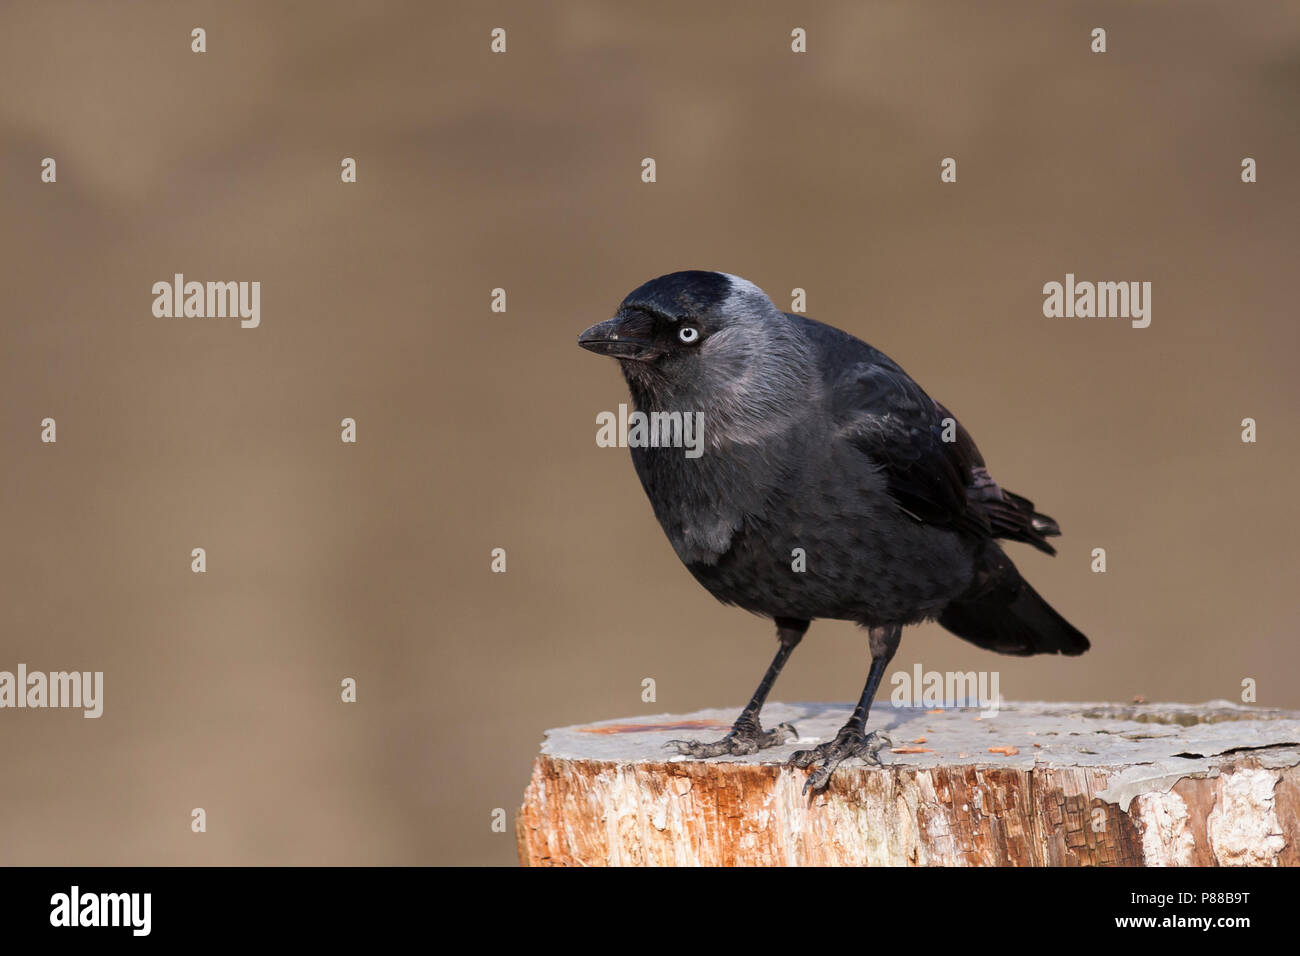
(1002, 613)
(1014, 518)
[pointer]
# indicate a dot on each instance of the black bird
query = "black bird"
(814, 440)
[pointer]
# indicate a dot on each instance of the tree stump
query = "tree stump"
(1036, 784)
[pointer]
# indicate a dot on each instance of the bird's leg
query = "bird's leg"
(747, 735)
(852, 740)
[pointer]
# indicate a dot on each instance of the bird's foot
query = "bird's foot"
(847, 743)
(746, 737)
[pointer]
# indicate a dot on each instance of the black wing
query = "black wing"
(931, 465)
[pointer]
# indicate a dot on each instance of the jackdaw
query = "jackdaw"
(814, 440)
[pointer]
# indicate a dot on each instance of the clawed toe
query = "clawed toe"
(702, 749)
(826, 757)
(743, 739)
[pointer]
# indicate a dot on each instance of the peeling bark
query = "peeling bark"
(1064, 785)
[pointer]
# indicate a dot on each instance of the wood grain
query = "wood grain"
(1065, 785)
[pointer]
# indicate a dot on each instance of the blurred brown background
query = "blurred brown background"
(477, 430)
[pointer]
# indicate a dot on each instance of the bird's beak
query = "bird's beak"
(622, 337)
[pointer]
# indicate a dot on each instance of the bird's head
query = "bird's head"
(703, 338)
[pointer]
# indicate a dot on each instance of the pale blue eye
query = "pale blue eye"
(688, 334)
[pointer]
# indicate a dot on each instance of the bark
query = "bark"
(1036, 784)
